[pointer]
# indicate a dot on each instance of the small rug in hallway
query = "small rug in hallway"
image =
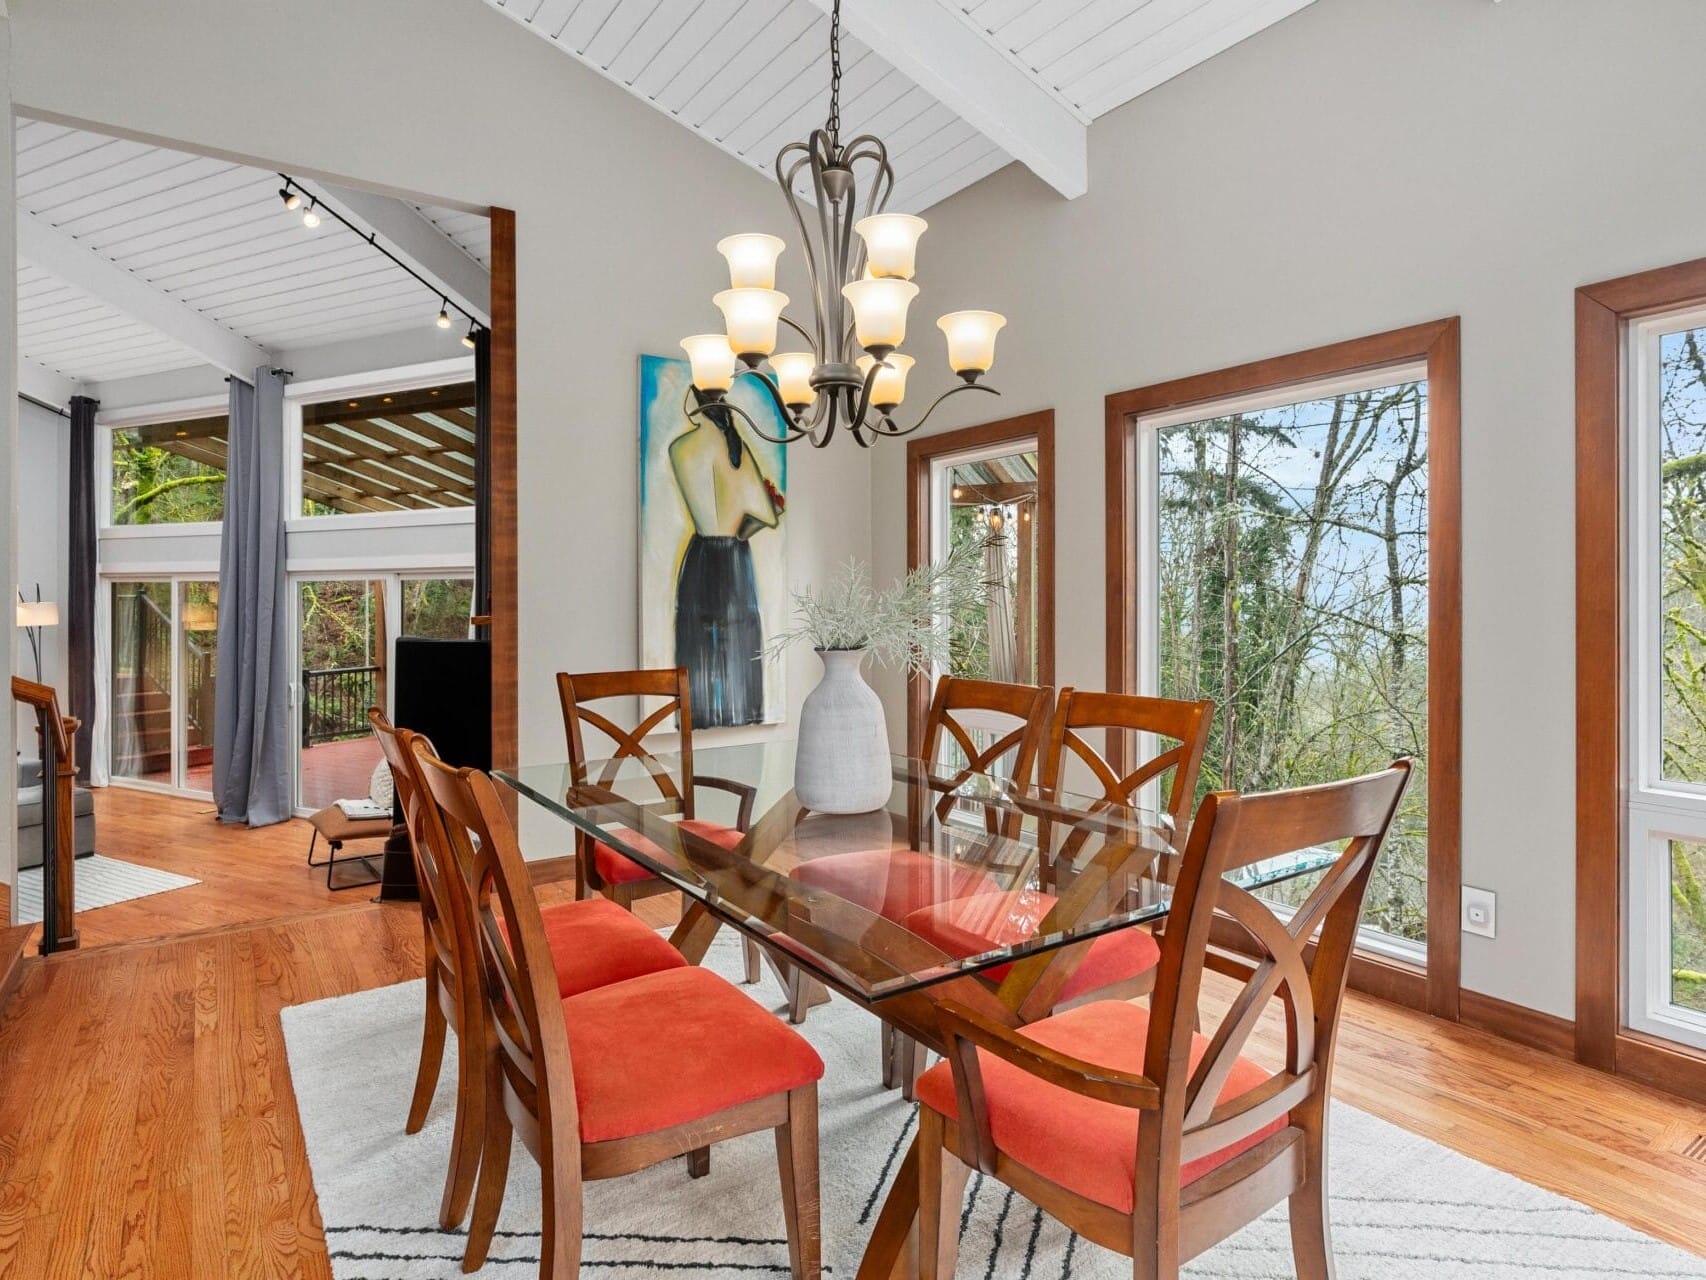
(1405, 1209)
(101, 882)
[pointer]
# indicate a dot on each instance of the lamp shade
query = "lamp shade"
(751, 316)
(890, 387)
(713, 361)
(752, 259)
(891, 244)
(879, 310)
(971, 339)
(794, 377)
(38, 613)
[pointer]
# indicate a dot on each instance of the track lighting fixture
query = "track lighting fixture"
(443, 320)
(292, 198)
(468, 338)
(310, 218)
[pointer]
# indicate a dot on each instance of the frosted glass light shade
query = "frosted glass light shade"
(713, 361)
(890, 386)
(879, 310)
(38, 613)
(752, 259)
(751, 316)
(794, 377)
(891, 244)
(971, 339)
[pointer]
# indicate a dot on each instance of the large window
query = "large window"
(168, 473)
(164, 667)
(1287, 581)
(1667, 622)
(388, 452)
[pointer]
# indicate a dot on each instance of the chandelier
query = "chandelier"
(853, 372)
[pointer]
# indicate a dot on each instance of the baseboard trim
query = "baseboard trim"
(1670, 1068)
(14, 942)
(1543, 1031)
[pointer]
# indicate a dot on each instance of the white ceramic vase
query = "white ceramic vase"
(841, 763)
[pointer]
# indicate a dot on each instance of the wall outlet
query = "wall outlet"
(1480, 912)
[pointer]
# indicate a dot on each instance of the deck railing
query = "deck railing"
(335, 702)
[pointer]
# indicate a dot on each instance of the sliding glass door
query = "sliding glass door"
(164, 667)
(344, 628)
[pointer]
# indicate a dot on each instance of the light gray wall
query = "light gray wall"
(43, 461)
(1361, 166)
(618, 211)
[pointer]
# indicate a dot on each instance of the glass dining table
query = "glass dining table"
(965, 886)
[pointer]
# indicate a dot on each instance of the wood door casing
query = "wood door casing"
(921, 454)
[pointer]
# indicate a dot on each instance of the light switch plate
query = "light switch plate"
(1480, 911)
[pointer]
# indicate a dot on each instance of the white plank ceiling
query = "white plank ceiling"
(210, 235)
(751, 75)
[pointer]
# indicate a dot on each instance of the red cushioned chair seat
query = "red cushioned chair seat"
(893, 883)
(616, 868)
(972, 926)
(1079, 1143)
(660, 1050)
(595, 943)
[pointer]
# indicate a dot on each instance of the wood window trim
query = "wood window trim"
(1603, 311)
(501, 464)
(1439, 343)
(921, 453)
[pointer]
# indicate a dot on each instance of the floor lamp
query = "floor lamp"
(33, 615)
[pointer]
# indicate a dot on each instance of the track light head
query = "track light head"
(292, 199)
(468, 338)
(443, 320)
(310, 218)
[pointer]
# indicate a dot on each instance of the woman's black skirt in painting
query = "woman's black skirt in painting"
(719, 636)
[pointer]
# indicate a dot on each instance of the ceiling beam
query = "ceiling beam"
(940, 52)
(43, 385)
(61, 256)
(423, 246)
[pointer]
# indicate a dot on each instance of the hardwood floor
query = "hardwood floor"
(148, 1128)
(247, 876)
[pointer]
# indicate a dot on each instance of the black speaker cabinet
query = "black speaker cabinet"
(442, 688)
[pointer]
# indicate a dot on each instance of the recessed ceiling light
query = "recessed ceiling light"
(355, 404)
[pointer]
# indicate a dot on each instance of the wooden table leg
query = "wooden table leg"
(892, 1253)
(692, 937)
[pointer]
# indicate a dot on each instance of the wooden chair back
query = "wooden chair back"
(578, 691)
(1185, 724)
(1020, 710)
(443, 881)
(1216, 925)
(516, 986)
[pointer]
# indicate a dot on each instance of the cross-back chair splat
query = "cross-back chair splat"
(1220, 1140)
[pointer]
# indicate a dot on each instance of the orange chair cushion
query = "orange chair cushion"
(616, 868)
(893, 883)
(972, 926)
(670, 1047)
(595, 943)
(1086, 1146)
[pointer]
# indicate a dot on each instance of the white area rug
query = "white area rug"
(100, 882)
(1404, 1208)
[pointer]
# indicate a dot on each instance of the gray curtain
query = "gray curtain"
(251, 723)
(80, 586)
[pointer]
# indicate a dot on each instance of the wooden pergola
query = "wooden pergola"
(403, 451)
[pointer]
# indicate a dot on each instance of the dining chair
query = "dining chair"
(1127, 1124)
(591, 943)
(1122, 963)
(661, 1065)
(598, 867)
(895, 883)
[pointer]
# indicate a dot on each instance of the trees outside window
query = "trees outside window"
(169, 473)
(1290, 586)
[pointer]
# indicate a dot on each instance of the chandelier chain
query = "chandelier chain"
(834, 125)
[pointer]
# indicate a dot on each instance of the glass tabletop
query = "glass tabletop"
(958, 873)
